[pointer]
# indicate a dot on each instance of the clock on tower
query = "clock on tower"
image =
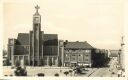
(36, 19)
(37, 16)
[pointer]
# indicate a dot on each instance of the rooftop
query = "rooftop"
(78, 45)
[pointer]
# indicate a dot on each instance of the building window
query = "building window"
(10, 50)
(87, 51)
(54, 60)
(73, 55)
(86, 55)
(66, 51)
(67, 57)
(73, 59)
(80, 55)
(27, 47)
(86, 59)
(11, 41)
(70, 51)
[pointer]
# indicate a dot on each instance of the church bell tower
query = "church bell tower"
(36, 19)
(36, 36)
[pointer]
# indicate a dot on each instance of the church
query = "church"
(39, 49)
(34, 48)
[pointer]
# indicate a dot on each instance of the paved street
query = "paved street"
(51, 71)
(106, 72)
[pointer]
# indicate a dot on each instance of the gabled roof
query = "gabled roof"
(78, 45)
(23, 39)
(49, 39)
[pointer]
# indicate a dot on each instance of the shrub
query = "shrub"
(70, 71)
(56, 74)
(20, 72)
(113, 73)
(66, 73)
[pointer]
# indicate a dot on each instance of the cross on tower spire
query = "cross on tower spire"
(37, 7)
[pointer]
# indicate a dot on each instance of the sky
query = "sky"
(99, 22)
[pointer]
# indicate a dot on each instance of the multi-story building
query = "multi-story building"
(77, 53)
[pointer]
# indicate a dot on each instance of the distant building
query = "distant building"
(77, 53)
(114, 53)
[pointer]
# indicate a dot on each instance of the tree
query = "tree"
(66, 73)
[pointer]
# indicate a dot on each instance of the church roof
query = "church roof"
(78, 45)
(23, 39)
(50, 39)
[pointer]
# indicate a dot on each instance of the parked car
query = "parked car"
(41, 74)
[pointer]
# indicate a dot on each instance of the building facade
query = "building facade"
(34, 48)
(77, 53)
